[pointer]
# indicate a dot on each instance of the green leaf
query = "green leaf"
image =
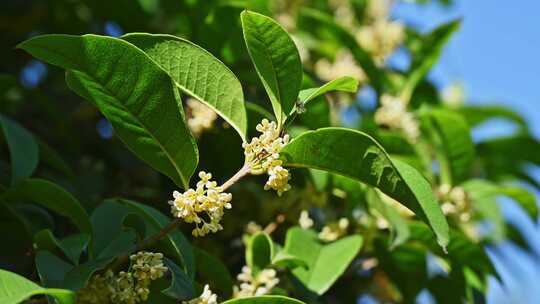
(358, 156)
(15, 289)
(51, 269)
(428, 54)
(276, 60)
(259, 252)
(454, 142)
(264, 300)
(181, 287)
(50, 196)
(376, 76)
(483, 197)
(398, 226)
(77, 277)
(211, 269)
(132, 91)
(23, 149)
(523, 197)
(325, 262)
(343, 84)
(198, 73)
(72, 246)
(478, 114)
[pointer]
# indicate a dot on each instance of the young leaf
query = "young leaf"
(23, 149)
(264, 300)
(430, 51)
(132, 91)
(455, 145)
(50, 196)
(259, 252)
(15, 289)
(198, 73)
(325, 262)
(343, 84)
(276, 60)
(358, 156)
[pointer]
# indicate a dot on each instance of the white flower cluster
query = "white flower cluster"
(305, 221)
(257, 285)
(334, 231)
(207, 297)
(200, 117)
(126, 287)
(262, 155)
(344, 64)
(207, 199)
(454, 202)
(381, 36)
(393, 113)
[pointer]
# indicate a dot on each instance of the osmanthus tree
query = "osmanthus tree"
(348, 211)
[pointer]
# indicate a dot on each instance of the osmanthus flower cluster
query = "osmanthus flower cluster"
(393, 113)
(257, 285)
(125, 287)
(203, 205)
(455, 202)
(262, 156)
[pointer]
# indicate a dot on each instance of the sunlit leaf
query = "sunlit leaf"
(15, 289)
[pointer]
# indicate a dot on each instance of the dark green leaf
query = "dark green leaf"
(198, 73)
(211, 269)
(264, 300)
(72, 246)
(358, 156)
(259, 252)
(23, 149)
(51, 269)
(132, 91)
(181, 287)
(50, 196)
(276, 60)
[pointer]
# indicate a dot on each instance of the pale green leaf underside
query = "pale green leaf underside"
(343, 84)
(325, 262)
(132, 91)
(276, 60)
(357, 155)
(15, 289)
(23, 149)
(198, 73)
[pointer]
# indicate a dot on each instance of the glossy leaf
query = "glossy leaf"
(181, 287)
(132, 91)
(428, 54)
(23, 149)
(51, 196)
(276, 60)
(72, 246)
(198, 73)
(358, 156)
(455, 145)
(259, 252)
(51, 269)
(15, 289)
(325, 262)
(342, 84)
(211, 269)
(264, 300)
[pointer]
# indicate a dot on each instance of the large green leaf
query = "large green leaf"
(198, 73)
(429, 52)
(50, 196)
(212, 269)
(51, 269)
(15, 289)
(264, 300)
(453, 139)
(276, 60)
(325, 262)
(72, 246)
(132, 91)
(23, 149)
(356, 155)
(342, 84)
(181, 287)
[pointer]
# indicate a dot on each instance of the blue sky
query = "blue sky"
(495, 56)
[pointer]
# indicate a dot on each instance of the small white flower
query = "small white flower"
(344, 64)
(334, 231)
(200, 117)
(207, 297)
(393, 113)
(305, 221)
(255, 286)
